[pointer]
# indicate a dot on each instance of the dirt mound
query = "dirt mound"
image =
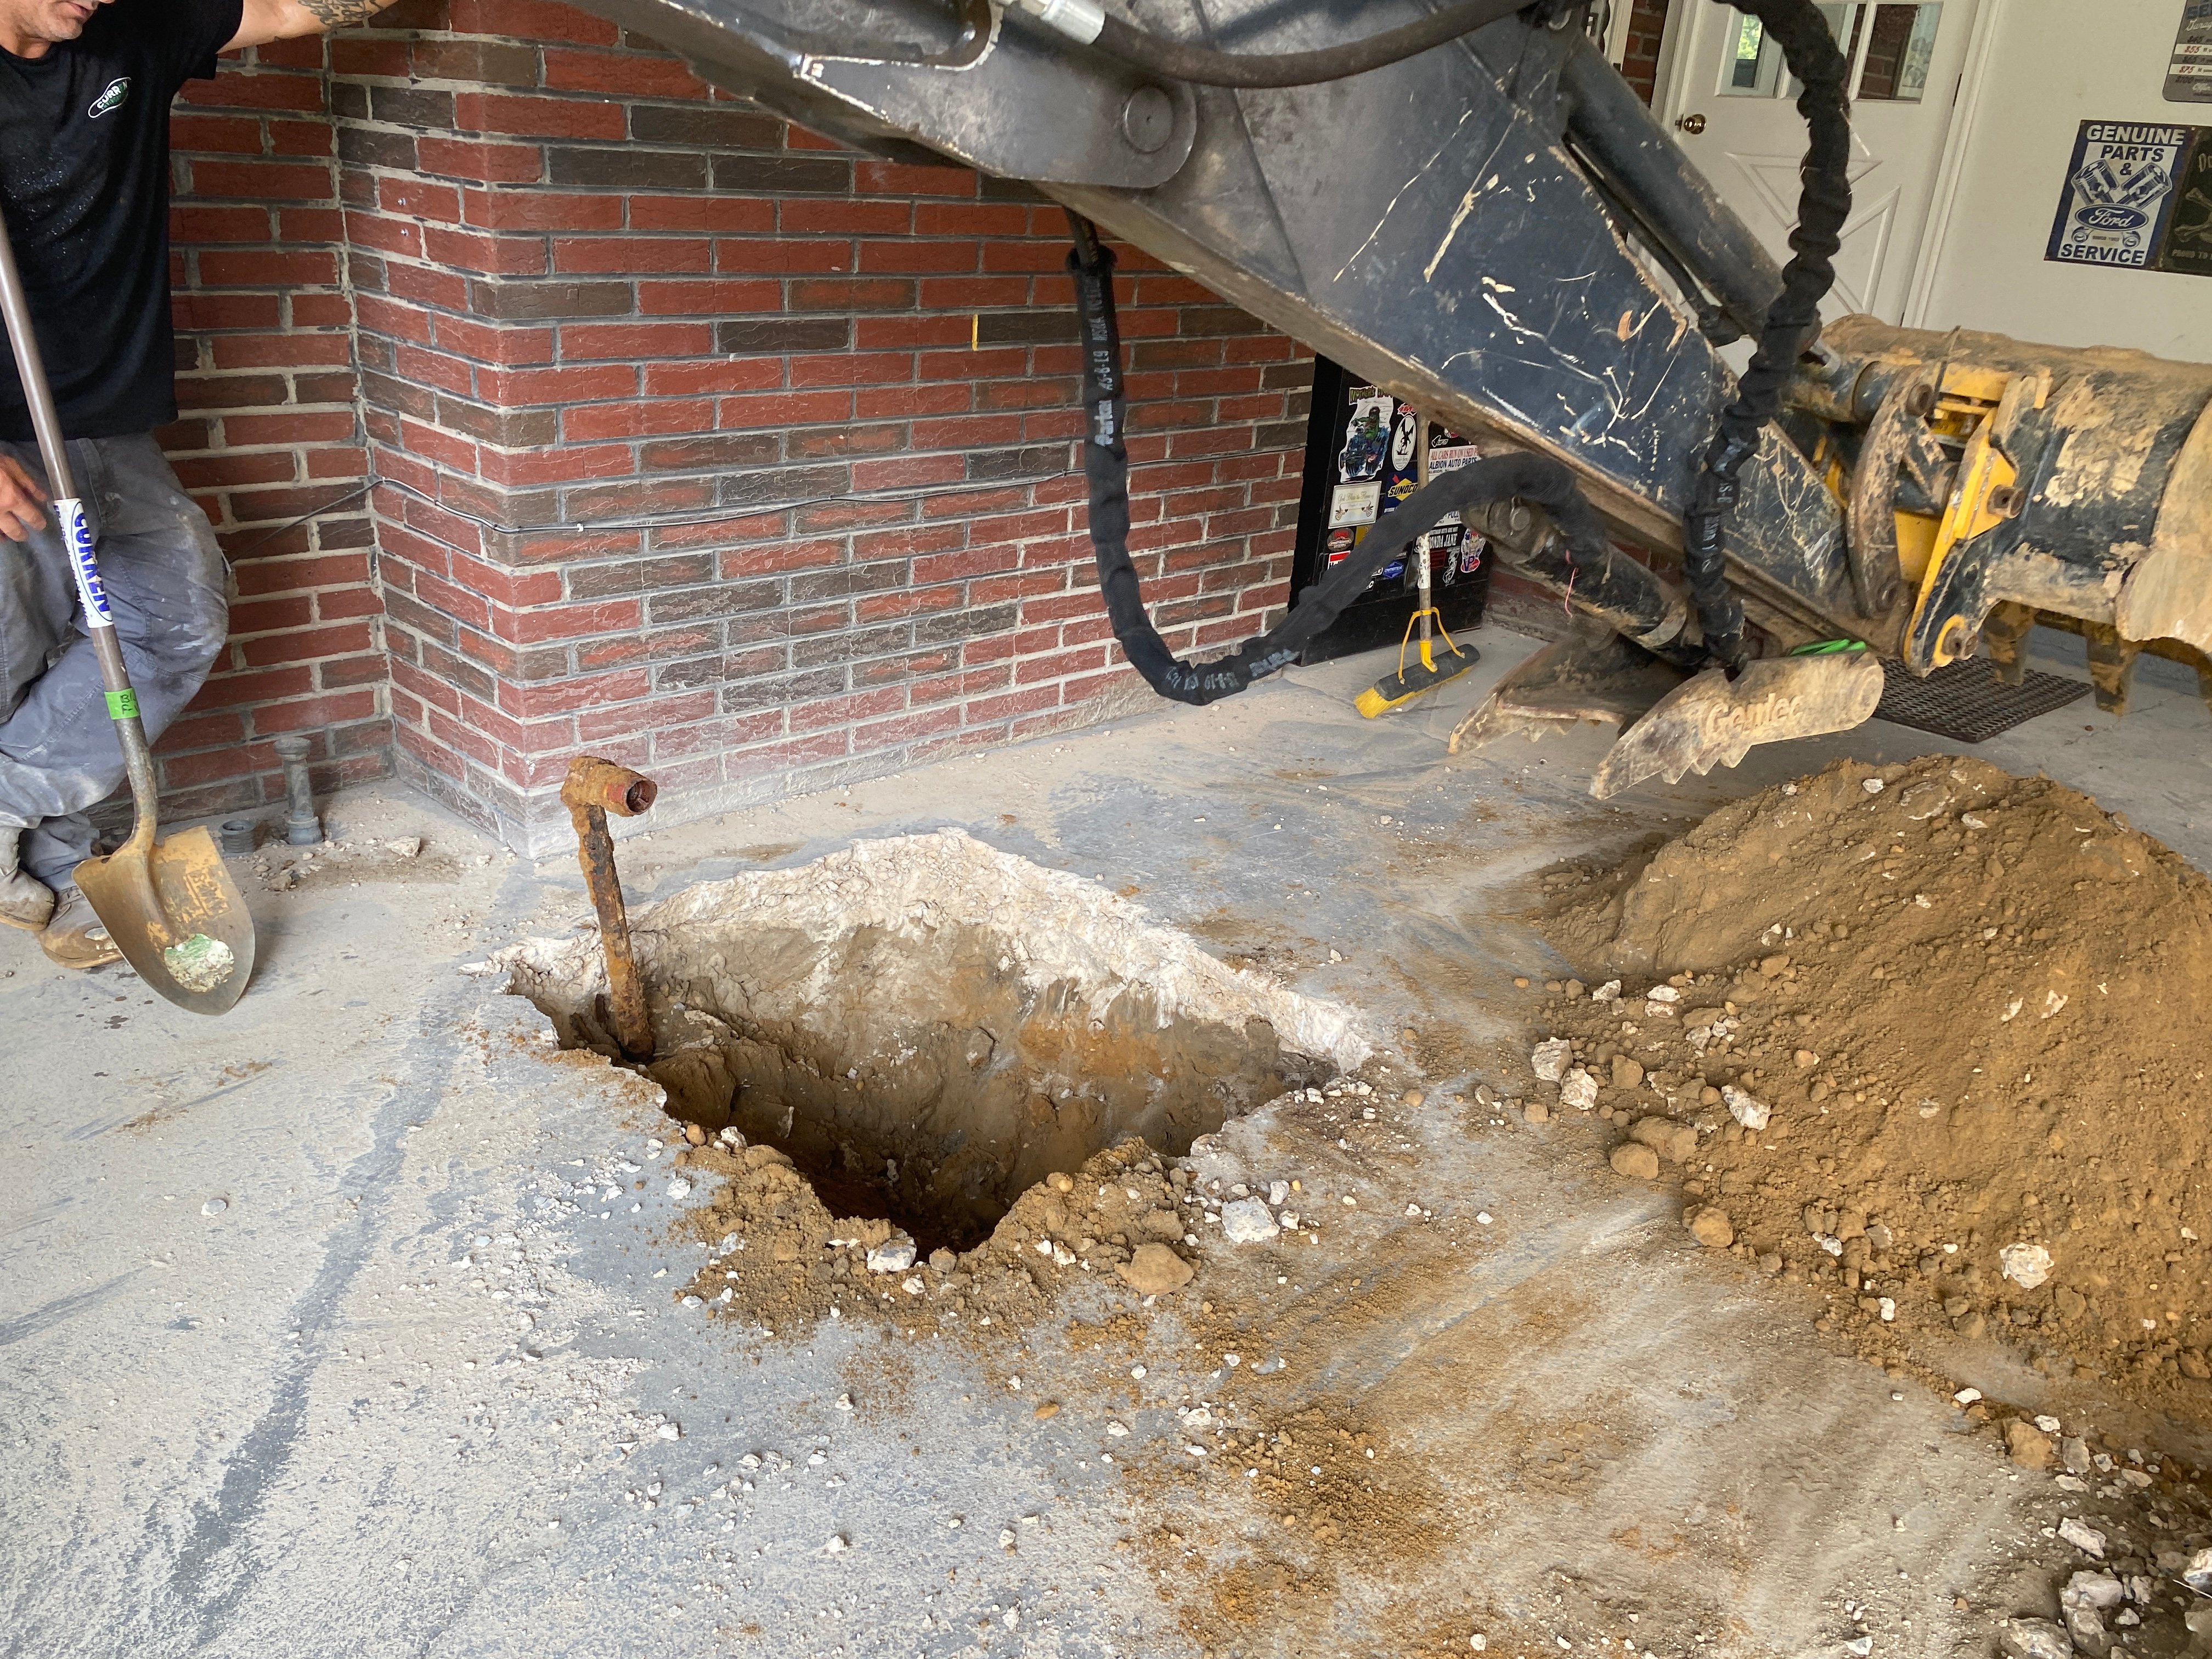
(1978, 1008)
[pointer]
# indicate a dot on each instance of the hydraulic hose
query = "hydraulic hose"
(1533, 478)
(1793, 321)
(1176, 60)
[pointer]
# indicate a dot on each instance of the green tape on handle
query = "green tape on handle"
(123, 705)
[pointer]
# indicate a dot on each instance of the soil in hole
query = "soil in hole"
(927, 1079)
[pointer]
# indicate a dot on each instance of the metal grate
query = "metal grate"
(1964, 702)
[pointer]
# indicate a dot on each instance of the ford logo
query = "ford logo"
(2113, 218)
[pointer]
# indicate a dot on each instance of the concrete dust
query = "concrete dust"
(354, 1322)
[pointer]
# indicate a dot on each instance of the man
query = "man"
(85, 89)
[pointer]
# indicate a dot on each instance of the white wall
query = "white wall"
(2053, 64)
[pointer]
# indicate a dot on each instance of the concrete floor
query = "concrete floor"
(306, 1348)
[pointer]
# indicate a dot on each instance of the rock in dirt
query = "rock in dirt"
(1247, 1221)
(2198, 1575)
(2083, 1536)
(406, 846)
(2100, 1591)
(1549, 1058)
(1579, 1089)
(1154, 1270)
(1626, 1072)
(1635, 1160)
(894, 1255)
(1676, 1142)
(1751, 1114)
(2029, 1446)
(1536, 1112)
(2026, 1265)
(2085, 1625)
(2033, 1638)
(1709, 1226)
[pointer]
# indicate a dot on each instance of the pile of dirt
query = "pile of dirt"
(1978, 1009)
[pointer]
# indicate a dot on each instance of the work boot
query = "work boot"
(25, 901)
(75, 937)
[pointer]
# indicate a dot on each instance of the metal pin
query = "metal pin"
(301, 827)
(594, 788)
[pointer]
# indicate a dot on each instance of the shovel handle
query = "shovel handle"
(76, 532)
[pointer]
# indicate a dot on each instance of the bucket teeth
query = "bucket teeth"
(1711, 721)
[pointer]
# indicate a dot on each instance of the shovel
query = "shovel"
(172, 909)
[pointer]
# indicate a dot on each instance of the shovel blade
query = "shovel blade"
(1711, 721)
(178, 918)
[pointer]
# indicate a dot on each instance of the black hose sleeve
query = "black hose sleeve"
(1534, 478)
(1202, 66)
(1793, 321)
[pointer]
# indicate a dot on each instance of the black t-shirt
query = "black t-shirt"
(84, 182)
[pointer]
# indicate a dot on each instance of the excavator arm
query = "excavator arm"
(1491, 225)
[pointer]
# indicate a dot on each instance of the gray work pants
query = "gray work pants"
(167, 584)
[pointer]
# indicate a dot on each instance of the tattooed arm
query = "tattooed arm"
(287, 19)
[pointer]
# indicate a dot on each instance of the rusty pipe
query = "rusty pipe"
(594, 788)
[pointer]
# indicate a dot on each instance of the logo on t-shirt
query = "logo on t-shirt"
(117, 94)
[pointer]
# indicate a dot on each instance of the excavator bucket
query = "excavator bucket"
(1591, 676)
(1711, 721)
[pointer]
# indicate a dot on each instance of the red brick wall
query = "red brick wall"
(1647, 31)
(588, 292)
(271, 434)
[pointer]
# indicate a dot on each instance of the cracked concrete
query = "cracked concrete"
(409, 1392)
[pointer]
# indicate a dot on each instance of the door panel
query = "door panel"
(1735, 113)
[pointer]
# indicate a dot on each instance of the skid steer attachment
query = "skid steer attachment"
(1540, 267)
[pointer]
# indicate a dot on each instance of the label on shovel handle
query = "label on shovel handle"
(123, 705)
(77, 533)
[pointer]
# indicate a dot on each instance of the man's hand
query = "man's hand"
(265, 20)
(20, 498)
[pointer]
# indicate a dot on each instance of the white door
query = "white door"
(1733, 109)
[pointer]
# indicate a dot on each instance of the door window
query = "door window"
(1889, 48)
(1755, 69)
(1899, 48)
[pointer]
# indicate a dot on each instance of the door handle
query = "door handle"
(1692, 125)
